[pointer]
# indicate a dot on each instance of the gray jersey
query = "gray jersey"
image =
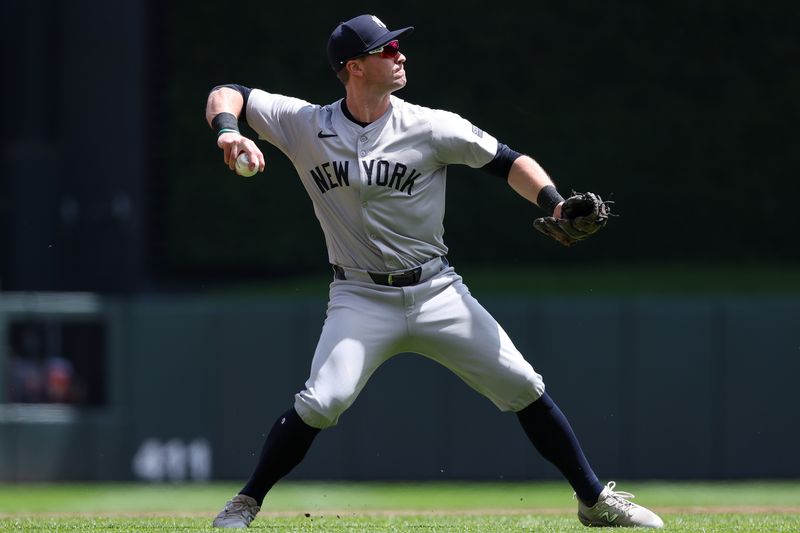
(378, 191)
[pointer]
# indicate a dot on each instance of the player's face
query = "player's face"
(386, 68)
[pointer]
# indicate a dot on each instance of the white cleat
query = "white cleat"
(237, 513)
(614, 509)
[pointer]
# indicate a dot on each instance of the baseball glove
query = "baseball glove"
(582, 215)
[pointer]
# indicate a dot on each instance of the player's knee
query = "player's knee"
(535, 384)
(530, 388)
(320, 414)
(537, 388)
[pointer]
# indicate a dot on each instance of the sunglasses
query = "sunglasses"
(388, 50)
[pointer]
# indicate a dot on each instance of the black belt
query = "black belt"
(392, 279)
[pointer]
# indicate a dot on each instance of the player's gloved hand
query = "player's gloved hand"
(582, 215)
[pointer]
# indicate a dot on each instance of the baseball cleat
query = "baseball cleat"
(237, 513)
(614, 509)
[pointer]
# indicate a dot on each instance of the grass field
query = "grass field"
(378, 507)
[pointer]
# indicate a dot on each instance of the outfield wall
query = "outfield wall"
(657, 387)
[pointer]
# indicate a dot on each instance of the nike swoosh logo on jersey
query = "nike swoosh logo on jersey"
(326, 135)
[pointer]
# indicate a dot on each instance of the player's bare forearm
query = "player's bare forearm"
(223, 100)
(232, 143)
(528, 178)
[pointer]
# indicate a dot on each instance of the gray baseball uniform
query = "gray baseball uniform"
(378, 190)
(379, 194)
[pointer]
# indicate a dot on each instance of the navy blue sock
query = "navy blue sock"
(550, 432)
(286, 445)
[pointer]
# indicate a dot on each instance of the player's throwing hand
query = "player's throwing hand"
(233, 144)
(229, 139)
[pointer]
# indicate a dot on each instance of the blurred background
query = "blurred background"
(157, 311)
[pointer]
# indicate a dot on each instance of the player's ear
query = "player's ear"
(354, 67)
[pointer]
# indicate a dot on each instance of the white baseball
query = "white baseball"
(243, 166)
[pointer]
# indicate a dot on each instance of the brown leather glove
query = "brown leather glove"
(582, 215)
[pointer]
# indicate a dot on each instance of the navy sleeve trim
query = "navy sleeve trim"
(500, 166)
(244, 91)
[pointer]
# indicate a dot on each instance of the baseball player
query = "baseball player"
(374, 167)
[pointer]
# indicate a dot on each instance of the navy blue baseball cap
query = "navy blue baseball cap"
(358, 36)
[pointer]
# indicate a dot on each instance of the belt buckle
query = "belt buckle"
(400, 277)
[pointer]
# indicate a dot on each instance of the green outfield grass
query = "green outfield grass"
(377, 507)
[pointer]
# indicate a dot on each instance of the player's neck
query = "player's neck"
(367, 108)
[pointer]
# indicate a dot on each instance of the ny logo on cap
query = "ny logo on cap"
(377, 21)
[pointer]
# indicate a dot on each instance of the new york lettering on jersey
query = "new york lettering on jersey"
(322, 176)
(379, 172)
